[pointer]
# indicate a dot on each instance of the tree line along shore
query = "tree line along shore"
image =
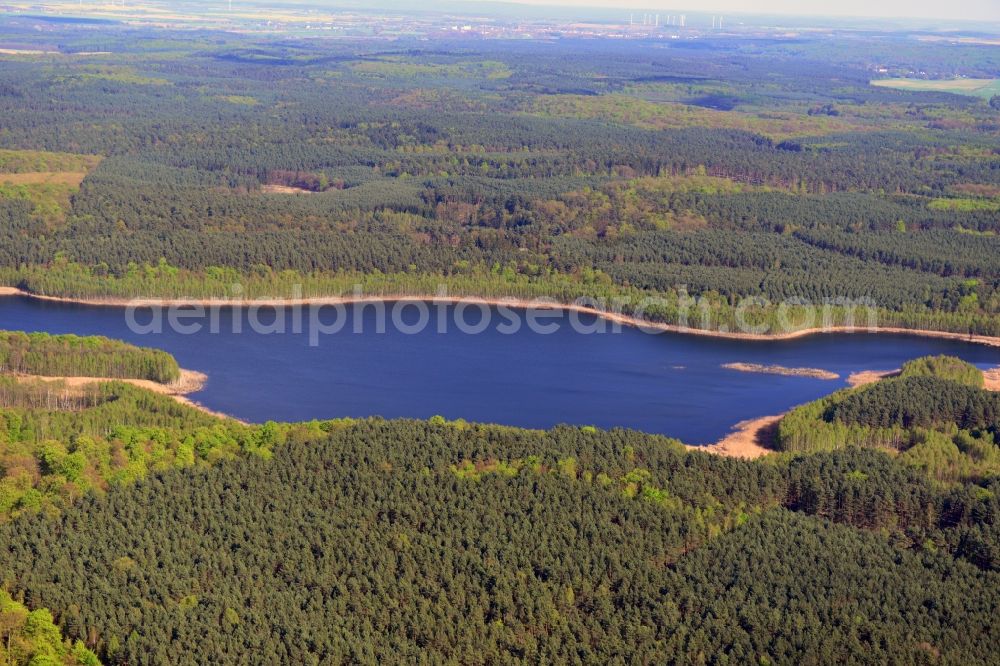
(654, 318)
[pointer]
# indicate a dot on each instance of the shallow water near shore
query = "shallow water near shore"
(667, 383)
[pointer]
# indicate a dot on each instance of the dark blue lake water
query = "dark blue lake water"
(670, 384)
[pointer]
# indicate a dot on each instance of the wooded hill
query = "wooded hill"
(405, 541)
(934, 415)
(379, 540)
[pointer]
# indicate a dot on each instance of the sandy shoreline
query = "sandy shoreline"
(515, 303)
(746, 441)
(189, 382)
(754, 438)
(869, 376)
(749, 439)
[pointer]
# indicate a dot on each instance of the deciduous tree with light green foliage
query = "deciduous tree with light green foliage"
(31, 638)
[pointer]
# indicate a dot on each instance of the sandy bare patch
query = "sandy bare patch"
(870, 376)
(992, 379)
(749, 439)
(284, 189)
(977, 190)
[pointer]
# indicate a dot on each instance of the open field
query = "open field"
(46, 179)
(43, 161)
(70, 178)
(973, 87)
(779, 125)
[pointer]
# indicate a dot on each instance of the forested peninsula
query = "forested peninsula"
(76, 356)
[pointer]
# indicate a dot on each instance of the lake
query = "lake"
(668, 383)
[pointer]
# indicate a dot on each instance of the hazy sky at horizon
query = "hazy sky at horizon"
(977, 10)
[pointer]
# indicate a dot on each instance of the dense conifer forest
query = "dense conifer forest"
(571, 168)
(373, 540)
(408, 541)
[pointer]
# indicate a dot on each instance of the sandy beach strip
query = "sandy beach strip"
(755, 438)
(750, 439)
